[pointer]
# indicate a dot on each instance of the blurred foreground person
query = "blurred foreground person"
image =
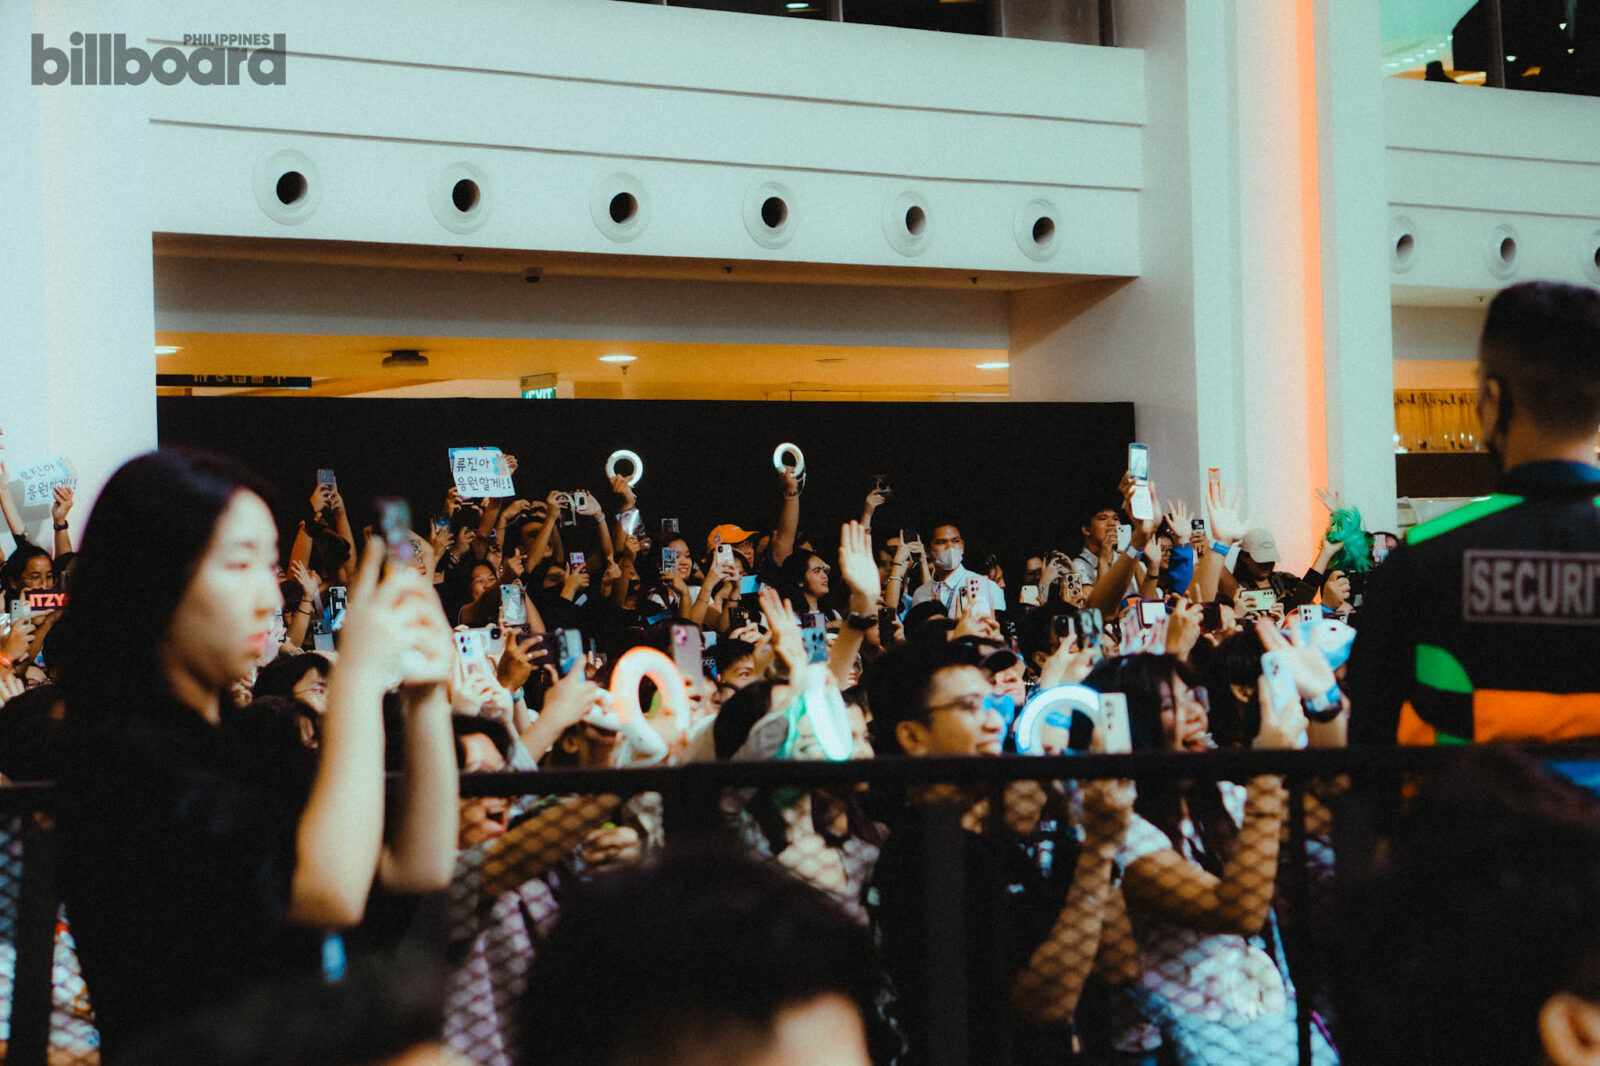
(705, 958)
(192, 867)
(1478, 940)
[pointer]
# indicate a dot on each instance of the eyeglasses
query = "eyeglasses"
(973, 706)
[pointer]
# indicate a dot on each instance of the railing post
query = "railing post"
(1298, 893)
(945, 899)
(33, 983)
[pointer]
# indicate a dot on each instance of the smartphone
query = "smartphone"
(880, 485)
(1073, 584)
(325, 477)
(580, 500)
(337, 602)
(1125, 534)
(738, 618)
(1210, 617)
(568, 517)
(1257, 599)
(910, 536)
(708, 666)
(1028, 595)
(1152, 612)
(394, 520)
(1197, 525)
(1091, 626)
(1275, 675)
(1111, 723)
(976, 596)
(513, 611)
(630, 522)
(569, 650)
(724, 553)
(1358, 588)
(441, 522)
(19, 608)
(1307, 614)
(687, 648)
(1141, 506)
(669, 562)
(1064, 626)
(815, 638)
(575, 561)
(669, 528)
(886, 619)
(470, 651)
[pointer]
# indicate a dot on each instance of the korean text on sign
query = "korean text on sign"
(481, 472)
(39, 481)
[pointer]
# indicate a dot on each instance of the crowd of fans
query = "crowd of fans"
(220, 717)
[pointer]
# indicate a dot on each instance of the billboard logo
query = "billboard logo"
(106, 59)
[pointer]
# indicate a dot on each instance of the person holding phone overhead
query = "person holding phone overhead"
(191, 869)
(1485, 624)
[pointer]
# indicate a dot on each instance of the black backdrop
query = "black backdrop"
(1016, 477)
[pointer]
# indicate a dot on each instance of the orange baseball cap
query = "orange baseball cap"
(727, 533)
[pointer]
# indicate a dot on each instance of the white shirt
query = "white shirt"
(947, 591)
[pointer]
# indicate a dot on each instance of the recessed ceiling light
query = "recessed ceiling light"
(993, 366)
(167, 349)
(618, 358)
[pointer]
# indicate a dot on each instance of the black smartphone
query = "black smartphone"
(738, 618)
(1210, 617)
(669, 528)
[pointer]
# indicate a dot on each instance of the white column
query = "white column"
(78, 361)
(1256, 339)
(1357, 321)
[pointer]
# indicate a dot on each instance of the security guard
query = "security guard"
(1485, 625)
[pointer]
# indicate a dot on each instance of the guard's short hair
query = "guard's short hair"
(1542, 340)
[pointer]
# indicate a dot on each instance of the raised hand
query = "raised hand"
(1224, 514)
(1183, 627)
(1313, 677)
(786, 639)
(1333, 501)
(62, 505)
(1281, 726)
(620, 486)
(394, 629)
(11, 687)
(858, 568)
(1178, 518)
(591, 505)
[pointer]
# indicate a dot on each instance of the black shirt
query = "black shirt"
(1486, 622)
(177, 852)
(992, 908)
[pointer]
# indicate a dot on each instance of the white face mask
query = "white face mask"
(947, 558)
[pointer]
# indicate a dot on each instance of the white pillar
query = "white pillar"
(78, 359)
(1357, 317)
(1256, 339)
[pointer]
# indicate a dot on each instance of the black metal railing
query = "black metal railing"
(574, 816)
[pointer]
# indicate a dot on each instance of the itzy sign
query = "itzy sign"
(39, 481)
(481, 472)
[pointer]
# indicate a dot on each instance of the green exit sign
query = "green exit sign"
(547, 393)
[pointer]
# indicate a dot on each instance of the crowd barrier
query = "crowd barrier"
(48, 1019)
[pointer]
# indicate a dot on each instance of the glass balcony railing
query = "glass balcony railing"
(1535, 45)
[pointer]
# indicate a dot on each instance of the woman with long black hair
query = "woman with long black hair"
(191, 869)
